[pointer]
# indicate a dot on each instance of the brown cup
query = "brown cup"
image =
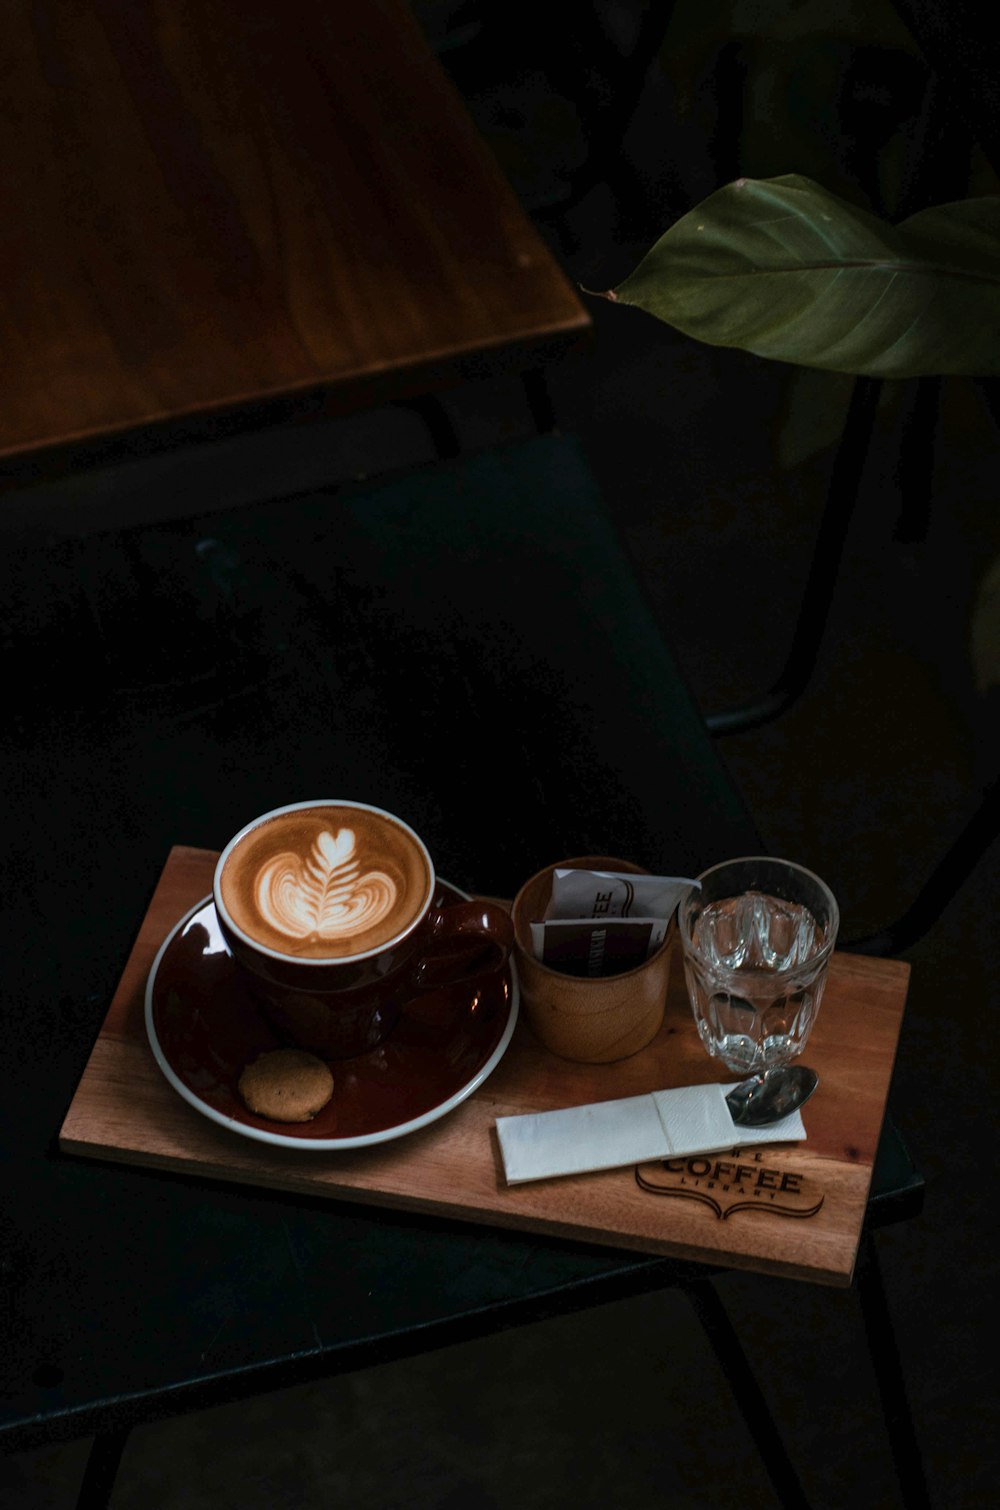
(597, 1020)
(342, 1004)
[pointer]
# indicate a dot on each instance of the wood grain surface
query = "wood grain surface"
(125, 1110)
(206, 204)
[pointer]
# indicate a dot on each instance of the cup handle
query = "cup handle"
(462, 941)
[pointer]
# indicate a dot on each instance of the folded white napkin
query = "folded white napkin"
(610, 1134)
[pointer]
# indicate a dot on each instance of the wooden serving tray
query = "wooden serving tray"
(794, 1210)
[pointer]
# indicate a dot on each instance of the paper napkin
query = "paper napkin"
(610, 1134)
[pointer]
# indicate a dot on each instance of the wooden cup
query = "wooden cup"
(594, 1021)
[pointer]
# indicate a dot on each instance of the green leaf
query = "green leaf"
(783, 268)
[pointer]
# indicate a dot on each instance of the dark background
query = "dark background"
(716, 468)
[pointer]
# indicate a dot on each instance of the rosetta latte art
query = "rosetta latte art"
(323, 896)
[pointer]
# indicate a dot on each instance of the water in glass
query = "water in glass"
(755, 977)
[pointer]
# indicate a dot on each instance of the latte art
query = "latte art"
(325, 881)
(324, 896)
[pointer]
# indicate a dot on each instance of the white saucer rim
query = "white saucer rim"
(321, 1145)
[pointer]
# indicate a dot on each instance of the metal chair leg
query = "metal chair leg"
(542, 409)
(941, 886)
(889, 1378)
(735, 1365)
(102, 1469)
(845, 481)
(442, 432)
(915, 466)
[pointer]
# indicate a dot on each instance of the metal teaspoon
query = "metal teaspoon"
(771, 1095)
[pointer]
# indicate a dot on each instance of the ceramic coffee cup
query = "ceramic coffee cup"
(593, 1020)
(327, 910)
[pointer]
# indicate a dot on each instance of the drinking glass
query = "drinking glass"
(756, 934)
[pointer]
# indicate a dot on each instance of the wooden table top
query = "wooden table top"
(207, 205)
(794, 1209)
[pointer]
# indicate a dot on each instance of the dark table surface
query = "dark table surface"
(465, 647)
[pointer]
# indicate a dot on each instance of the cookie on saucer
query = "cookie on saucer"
(286, 1085)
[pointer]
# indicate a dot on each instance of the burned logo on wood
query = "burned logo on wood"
(738, 1180)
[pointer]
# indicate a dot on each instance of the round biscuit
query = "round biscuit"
(286, 1085)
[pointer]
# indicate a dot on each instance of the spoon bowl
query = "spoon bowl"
(771, 1095)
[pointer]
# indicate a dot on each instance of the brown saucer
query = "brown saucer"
(204, 1029)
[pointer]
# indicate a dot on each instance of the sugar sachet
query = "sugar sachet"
(601, 922)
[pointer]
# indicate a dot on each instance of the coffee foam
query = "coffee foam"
(325, 882)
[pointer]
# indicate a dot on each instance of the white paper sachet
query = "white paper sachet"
(602, 922)
(613, 894)
(611, 1134)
